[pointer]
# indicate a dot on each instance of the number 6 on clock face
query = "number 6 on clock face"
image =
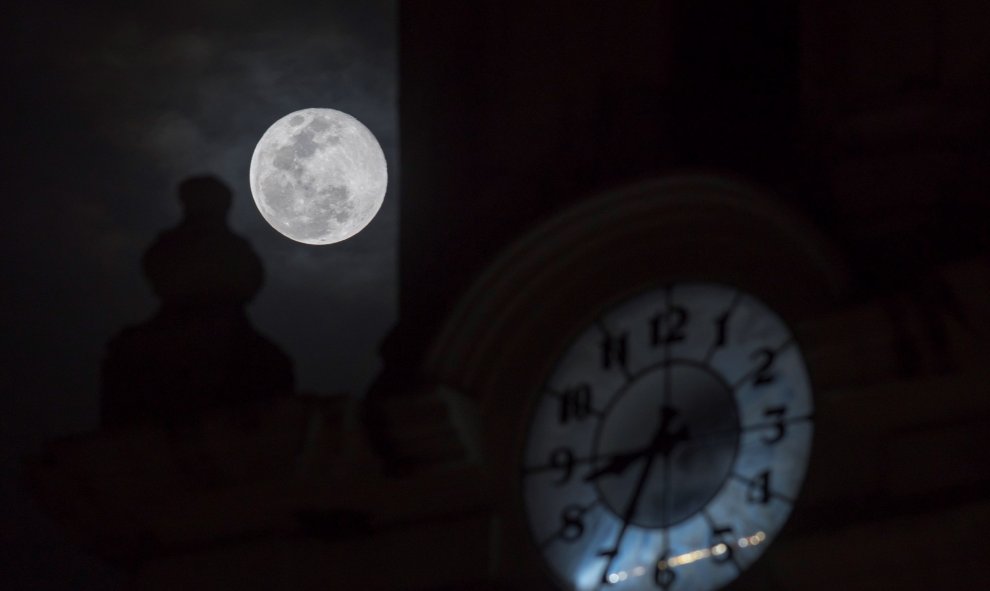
(668, 444)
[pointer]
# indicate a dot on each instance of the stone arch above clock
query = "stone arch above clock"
(692, 227)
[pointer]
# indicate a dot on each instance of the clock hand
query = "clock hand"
(618, 464)
(666, 414)
(661, 445)
(662, 442)
(629, 513)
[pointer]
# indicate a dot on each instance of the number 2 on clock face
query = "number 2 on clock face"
(669, 442)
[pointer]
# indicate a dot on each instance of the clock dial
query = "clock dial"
(668, 445)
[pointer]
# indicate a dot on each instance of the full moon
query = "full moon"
(318, 176)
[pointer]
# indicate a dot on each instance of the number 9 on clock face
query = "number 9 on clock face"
(667, 446)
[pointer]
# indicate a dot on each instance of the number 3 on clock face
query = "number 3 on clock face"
(669, 443)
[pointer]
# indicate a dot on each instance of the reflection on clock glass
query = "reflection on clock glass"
(669, 443)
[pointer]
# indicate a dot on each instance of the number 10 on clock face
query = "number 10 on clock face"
(667, 446)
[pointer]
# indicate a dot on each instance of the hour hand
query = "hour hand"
(617, 465)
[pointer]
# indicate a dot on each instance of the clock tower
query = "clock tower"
(577, 158)
(693, 296)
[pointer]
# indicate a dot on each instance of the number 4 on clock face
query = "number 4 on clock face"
(669, 442)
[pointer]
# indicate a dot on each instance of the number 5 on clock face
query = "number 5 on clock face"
(667, 446)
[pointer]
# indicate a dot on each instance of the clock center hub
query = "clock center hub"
(667, 444)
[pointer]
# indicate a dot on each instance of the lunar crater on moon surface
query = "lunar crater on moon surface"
(318, 176)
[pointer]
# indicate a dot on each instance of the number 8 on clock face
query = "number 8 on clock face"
(667, 447)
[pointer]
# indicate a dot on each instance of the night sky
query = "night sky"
(109, 106)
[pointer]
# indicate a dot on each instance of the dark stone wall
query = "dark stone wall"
(871, 121)
(511, 111)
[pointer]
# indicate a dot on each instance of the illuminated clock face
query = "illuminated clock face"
(668, 445)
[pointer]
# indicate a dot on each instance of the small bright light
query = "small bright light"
(613, 578)
(719, 549)
(640, 571)
(743, 542)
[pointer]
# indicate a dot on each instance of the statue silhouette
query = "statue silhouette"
(200, 350)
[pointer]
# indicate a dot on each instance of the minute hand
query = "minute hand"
(630, 512)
